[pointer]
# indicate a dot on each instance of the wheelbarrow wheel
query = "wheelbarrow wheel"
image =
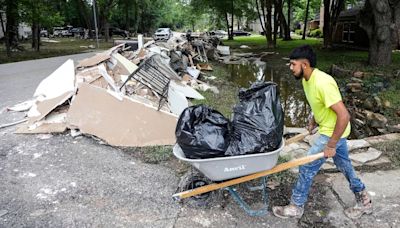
(194, 179)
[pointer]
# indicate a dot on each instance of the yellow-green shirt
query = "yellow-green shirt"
(322, 92)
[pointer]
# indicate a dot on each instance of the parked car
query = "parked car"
(78, 32)
(114, 31)
(162, 34)
(57, 31)
(44, 33)
(62, 31)
(241, 33)
(118, 32)
(218, 33)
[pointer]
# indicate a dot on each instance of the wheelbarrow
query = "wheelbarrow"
(225, 172)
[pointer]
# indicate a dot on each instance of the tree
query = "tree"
(285, 24)
(105, 7)
(306, 19)
(38, 14)
(332, 9)
(264, 11)
(11, 30)
(377, 18)
(396, 18)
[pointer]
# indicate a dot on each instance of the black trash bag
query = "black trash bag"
(202, 132)
(257, 120)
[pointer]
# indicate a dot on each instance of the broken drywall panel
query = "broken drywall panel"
(42, 108)
(55, 122)
(59, 82)
(114, 49)
(120, 123)
(108, 78)
(23, 106)
(92, 76)
(193, 72)
(43, 128)
(186, 90)
(224, 50)
(94, 60)
(128, 65)
(177, 101)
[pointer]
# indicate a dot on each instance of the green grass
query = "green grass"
(151, 154)
(354, 60)
(349, 59)
(227, 97)
(65, 46)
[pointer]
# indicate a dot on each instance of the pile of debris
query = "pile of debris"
(124, 97)
(366, 110)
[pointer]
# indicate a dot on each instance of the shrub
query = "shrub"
(298, 32)
(316, 33)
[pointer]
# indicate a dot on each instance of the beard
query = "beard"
(300, 76)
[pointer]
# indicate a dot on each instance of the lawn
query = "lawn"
(355, 60)
(64, 46)
(349, 59)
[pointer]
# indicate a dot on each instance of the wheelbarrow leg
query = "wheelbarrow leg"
(239, 200)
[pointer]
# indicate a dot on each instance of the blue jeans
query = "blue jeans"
(308, 171)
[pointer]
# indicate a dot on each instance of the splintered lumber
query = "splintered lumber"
(297, 138)
(276, 169)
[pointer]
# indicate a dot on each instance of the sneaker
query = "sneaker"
(289, 211)
(363, 206)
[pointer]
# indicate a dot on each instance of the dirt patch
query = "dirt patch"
(391, 150)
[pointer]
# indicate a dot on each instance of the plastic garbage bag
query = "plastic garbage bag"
(257, 120)
(202, 132)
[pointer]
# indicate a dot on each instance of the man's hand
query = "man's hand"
(329, 151)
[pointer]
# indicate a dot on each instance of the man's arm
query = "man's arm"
(342, 119)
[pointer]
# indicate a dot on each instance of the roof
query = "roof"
(350, 12)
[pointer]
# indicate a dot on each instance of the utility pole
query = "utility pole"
(95, 22)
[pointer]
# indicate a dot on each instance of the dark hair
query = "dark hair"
(304, 52)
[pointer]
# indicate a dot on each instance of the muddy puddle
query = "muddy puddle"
(291, 92)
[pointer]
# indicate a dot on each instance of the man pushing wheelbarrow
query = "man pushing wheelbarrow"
(205, 138)
(332, 118)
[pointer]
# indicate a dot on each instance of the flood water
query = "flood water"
(292, 96)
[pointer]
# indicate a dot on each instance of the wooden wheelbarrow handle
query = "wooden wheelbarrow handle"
(276, 169)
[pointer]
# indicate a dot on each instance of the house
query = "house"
(24, 30)
(348, 33)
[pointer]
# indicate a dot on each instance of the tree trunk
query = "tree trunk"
(35, 39)
(276, 25)
(11, 26)
(375, 19)
(332, 9)
(85, 15)
(268, 25)
(305, 20)
(259, 16)
(284, 25)
(230, 36)
(327, 22)
(4, 32)
(396, 19)
(289, 14)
